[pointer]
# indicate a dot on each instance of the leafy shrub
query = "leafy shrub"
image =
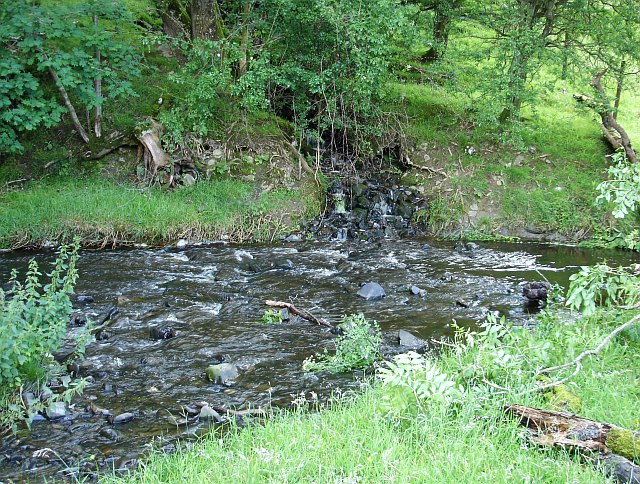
(33, 319)
(272, 316)
(357, 348)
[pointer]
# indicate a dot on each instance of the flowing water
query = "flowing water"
(214, 298)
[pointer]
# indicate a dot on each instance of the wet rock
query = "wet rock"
(223, 373)
(38, 418)
(84, 299)
(409, 340)
(109, 433)
(182, 243)
(57, 410)
(293, 238)
(286, 265)
(536, 291)
(371, 291)
(463, 303)
(446, 277)
(208, 413)
(78, 319)
(123, 418)
(162, 333)
(63, 355)
(416, 291)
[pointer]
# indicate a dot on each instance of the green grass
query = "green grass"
(471, 441)
(103, 212)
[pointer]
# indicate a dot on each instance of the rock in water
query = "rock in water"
(416, 291)
(162, 333)
(536, 291)
(371, 291)
(123, 418)
(208, 413)
(410, 341)
(57, 410)
(224, 373)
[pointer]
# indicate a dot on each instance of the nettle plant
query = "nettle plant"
(357, 348)
(33, 324)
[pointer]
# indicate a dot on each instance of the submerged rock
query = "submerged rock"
(224, 373)
(162, 333)
(123, 418)
(371, 291)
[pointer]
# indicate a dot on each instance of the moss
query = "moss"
(625, 443)
(560, 397)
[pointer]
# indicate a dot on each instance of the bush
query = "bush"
(357, 348)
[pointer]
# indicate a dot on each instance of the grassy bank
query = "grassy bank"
(384, 434)
(104, 213)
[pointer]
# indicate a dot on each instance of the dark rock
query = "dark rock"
(63, 355)
(284, 314)
(446, 277)
(162, 333)
(84, 299)
(286, 265)
(371, 291)
(123, 418)
(410, 341)
(462, 303)
(102, 335)
(38, 418)
(109, 433)
(223, 373)
(110, 315)
(536, 291)
(78, 319)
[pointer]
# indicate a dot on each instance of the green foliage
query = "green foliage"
(33, 320)
(33, 324)
(59, 37)
(601, 285)
(622, 189)
(422, 378)
(357, 348)
(272, 316)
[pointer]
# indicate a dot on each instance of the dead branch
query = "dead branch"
(426, 168)
(299, 312)
(240, 413)
(577, 361)
(302, 163)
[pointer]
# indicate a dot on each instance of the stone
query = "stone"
(162, 333)
(84, 299)
(462, 303)
(223, 373)
(182, 243)
(536, 291)
(208, 413)
(57, 410)
(188, 180)
(416, 291)
(409, 340)
(293, 238)
(123, 418)
(109, 433)
(371, 291)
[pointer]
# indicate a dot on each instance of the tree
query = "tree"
(66, 48)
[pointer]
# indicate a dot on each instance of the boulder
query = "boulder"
(162, 333)
(223, 373)
(208, 413)
(57, 410)
(416, 291)
(371, 291)
(409, 340)
(123, 418)
(536, 291)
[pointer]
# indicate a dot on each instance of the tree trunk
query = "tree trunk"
(155, 158)
(620, 80)
(440, 37)
(243, 62)
(67, 102)
(206, 20)
(609, 122)
(97, 124)
(619, 448)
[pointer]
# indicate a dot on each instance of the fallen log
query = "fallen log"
(615, 448)
(299, 312)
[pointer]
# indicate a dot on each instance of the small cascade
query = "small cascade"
(369, 210)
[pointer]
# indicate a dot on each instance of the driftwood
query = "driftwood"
(155, 158)
(259, 412)
(617, 449)
(299, 312)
